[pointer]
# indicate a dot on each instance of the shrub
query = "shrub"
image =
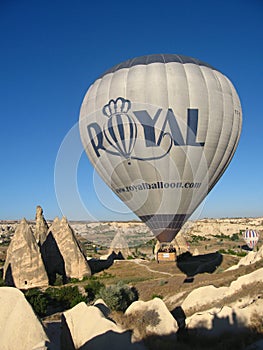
(157, 296)
(93, 288)
(66, 297)
(232, 252)
(59, 281)
(118, 297)
(140, 322)
(105, 274)
(38, 300)
(2, 282)
(162, 282)
(151, 318)
(257, 323)
(234, 237)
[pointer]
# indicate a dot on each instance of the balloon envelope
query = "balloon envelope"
(251, 238)
(160, 130)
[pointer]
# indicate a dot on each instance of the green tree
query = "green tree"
(93, 288)
(38, 300)
(118, 297)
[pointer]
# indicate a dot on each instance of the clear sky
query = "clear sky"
(51, 51)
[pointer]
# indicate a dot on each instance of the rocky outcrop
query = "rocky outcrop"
(24, 266)
(119, 244)
(180, 243)
(215, 322)
(41, 227)
(61, 253)
(35, 259)
(250, 258)
(20, 328)
(85, 327)
(206, 227)
(203, 297)
(154, 316)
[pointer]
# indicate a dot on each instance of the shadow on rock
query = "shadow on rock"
(193, 265)
(226, 332)
(180, 317)
(246, 248)
(97, 265)
(112, 340)
(53, 331)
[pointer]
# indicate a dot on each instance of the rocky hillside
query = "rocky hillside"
(207, 300)
(137, 233)
(36, 258)
(202, 316)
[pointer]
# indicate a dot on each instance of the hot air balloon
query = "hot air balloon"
(161, 130)
(251, 238)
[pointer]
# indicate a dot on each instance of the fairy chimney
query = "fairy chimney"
(120, 244)
(61, 253)
(41, 227)
(24, 266)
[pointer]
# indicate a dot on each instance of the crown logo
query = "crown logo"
(118, 106)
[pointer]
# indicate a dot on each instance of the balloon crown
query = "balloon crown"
(118, 106)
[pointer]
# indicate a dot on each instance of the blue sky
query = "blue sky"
(51, 51)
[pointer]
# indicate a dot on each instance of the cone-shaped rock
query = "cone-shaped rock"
(180, 243)
(41, 228)
(24, 266)
(20, 329)
(62, 254)
(157, 318)
(85, 327)
(119, 244)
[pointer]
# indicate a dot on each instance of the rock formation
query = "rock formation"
(24, 267)
(20, 328)
(41, 227)
(119, 244)
(215, 322)
(250, 258)
(156, 318)
(207, 296)
(85, 327)
(206, 227)
(61, 253)
(180, 243)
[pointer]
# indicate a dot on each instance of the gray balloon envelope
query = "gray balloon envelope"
(160, 130)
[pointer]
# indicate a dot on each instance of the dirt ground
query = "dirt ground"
(166, 280)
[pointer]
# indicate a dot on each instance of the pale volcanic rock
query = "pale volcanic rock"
(62, 237)
(24, 266)
(20, 328)
(210, 295)
(215, 322)
(202, 296)
(120, 244)
(157, 318)
(250, 258)
(180, 243)
(85, 327)
(41, 226)
(212, 227)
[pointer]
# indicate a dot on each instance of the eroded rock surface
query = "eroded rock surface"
(62, 254)
(20, 329)
(24, 266)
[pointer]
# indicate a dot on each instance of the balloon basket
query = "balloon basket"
(166, 252)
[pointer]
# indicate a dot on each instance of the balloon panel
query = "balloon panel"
(161, 134)
(251, 238)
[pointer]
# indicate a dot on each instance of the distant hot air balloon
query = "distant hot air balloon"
(251, 238)
(160, 130)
